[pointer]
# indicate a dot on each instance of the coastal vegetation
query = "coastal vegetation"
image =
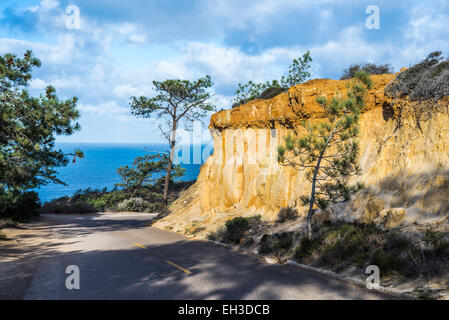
(141, 190)
(328, 151)
(426, 80)
(298, 73)
(237, 230)
(412, 255)
(29, 125)
(177, 102)
(369, 68)
(145, 172)
(403, 255)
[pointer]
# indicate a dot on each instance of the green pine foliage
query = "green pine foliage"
(28, 127)
(328, 151)
(176, 101)
(146, 171)
(298, 73)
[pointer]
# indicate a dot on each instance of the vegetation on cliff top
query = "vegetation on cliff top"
(424, 84)
(368, 68)
(428, 79)
(298, 73)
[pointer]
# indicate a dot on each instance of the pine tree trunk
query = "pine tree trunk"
(312, 201)
(170, 163)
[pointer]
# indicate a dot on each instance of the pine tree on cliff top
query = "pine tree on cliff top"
(176, 100)
(328, 151)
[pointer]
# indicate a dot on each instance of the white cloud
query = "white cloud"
(107, 108)
(138, 38)
(128, 90)
(49, 4)
(38, 84)
(93, 63)
(428, 27)
(230, 65)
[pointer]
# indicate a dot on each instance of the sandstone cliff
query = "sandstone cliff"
(404, 157)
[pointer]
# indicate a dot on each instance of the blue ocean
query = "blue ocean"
(98, 168)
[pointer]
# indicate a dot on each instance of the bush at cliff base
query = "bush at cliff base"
(18, 206)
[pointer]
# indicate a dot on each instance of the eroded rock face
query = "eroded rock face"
(405, 161)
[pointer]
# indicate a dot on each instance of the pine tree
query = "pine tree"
(329, 149)
(176, 100)
(28, 127)
(145, 171)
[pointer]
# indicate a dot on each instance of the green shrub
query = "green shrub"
(285, 240)
(388, 262)
(437, 242)
(19, 206)
(235, 229)
(429, 79)
(305, 249)
(298, 73)
(341, 244)
(286, 214)
(68, 205)
(276, 243)
(136, 205)
(254, 220)
(108, 200)
(217, 235)
(369, 68)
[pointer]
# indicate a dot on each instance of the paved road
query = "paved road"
(121, 257)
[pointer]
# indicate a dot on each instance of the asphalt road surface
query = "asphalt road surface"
(121, 257)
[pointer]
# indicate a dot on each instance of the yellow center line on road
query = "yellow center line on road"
(139, 245)
(180, 268)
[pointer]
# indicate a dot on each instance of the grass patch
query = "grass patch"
(278, 244)
(286, 214)
(341, 245)
(236, 230)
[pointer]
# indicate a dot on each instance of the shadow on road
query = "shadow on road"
(137, 273)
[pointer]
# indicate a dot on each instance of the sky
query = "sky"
(119, 47)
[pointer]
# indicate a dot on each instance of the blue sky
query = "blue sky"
(122, 46)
